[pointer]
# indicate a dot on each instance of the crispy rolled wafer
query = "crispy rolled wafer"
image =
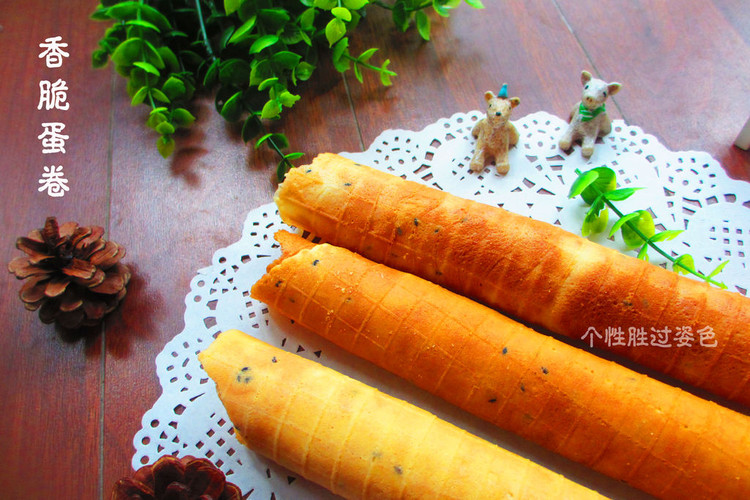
(357, 441)
(656, 437)
(531, 270)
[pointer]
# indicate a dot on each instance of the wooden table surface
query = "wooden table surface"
(72, 406)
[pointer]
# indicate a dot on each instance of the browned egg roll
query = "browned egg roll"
(656, 437)
(531, 270)
(357, 441)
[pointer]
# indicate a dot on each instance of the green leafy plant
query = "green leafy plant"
(598, 188)
(252, 53)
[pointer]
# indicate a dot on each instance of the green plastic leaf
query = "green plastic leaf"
(274, 19)
(358, 73)
(232, 108)
(279, 140)
(155, 17)
(340, 50)
(159, 95)
(143, 24)
(250, 128)
(666, 235)
(271, 109)
(325, 4)
(244, 32)
(643, 223)
(165, 128)
(423, 24)
(294, 156)
(152, 55)
(335, 29)
(366, 55)
(165, 145)
(286, 59)
(127, 52)
(182, 117)
(400, 16)
(123, 10)
(212, 74)
(582, 182)
(477, 4)
(684, 264)
(355, 4)
(231, 6)
(385, 74)
(622, 220)
(605, 182)
(595, 222)
(139, 96)
(304, 71)
(169, 58)
(99, 58)
(620, 194)
(342, 13)
(718, 269)
(263, 42)
(307, 19)
(155, 119)
(643, 252)
(288, 99)
(234, 72)
(443, 7)
(147, 67)
(268, 82)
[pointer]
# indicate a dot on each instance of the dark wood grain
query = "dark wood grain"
(72, 407)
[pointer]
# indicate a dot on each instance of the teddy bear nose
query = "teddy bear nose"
(498, 113)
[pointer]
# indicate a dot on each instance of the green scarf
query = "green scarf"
(587, 115)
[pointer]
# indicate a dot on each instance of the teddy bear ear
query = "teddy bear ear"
(613, 88)
(514, 101)
(585, 77)
(488, 95)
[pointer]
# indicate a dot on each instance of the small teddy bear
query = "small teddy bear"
(588, 119)
(495, 134)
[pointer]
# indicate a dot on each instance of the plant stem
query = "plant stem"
(647, 239)
(204, 34)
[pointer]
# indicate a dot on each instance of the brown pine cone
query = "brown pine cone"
(172, 478)
(74, 276)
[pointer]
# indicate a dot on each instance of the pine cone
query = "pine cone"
(74, 276)
(172, 478)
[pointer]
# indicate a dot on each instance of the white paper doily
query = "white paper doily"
(685, 190)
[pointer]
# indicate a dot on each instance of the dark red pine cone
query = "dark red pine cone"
(74, 276)
(172, 478)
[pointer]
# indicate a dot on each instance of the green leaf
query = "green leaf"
(288, 99)
(99, 58)
(307, 19)
(582, 182)
(643, 223)
(234, 72)
(605, 182)
(127, 52)
(147, 67)
(684, 264)
(263, 42)
(232, 108)
(165, 128)
(159, 95)
(154, 16)
(155, 119)
(718, 269)
(174, 88)
(366, 55)
(294, 156)
(358, 73)
(342, 13)
(244, 32)
(153, 55)
(279, 140)
(143, 24)
(355, 4)
(182, 117)
(165, 145)
(335, 29)
(139, 96)
(268, 82)
(271, 109)
(231, 6)
(286, 59)
(123, 10)
(274, 19)
(385, 74)
(250, 128)
(643, 252)
(666, 235)
(169, 58)
(620, 194)
(595, 222)
(477, 4)
(212, 74)
(304, 71)
(325, 4)
(423, 24)
(622, 220)
(399, 15)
